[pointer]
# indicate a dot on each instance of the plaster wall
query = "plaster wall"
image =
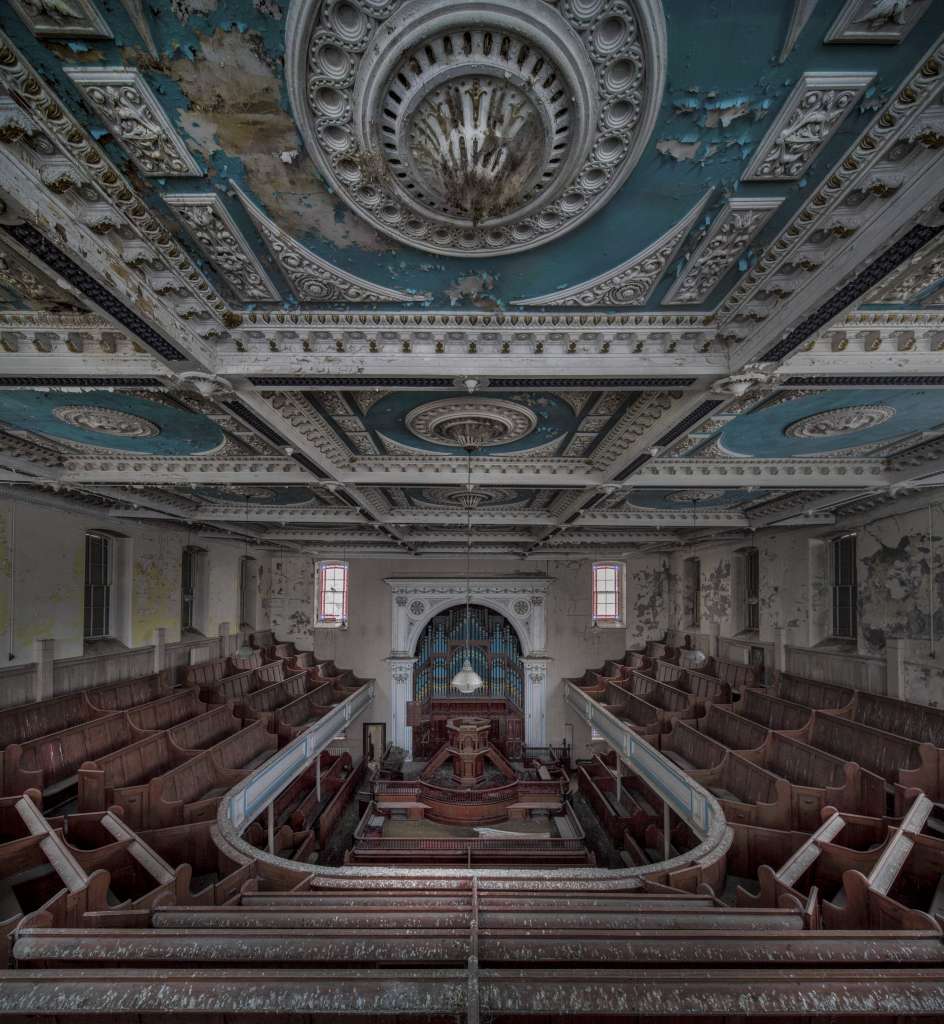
(895, 597)
(364, 645)
(42, 572)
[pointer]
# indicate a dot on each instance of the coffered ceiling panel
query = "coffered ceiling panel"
(333, 274)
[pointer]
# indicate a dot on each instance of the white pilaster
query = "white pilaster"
(401, 692)
(535, 701)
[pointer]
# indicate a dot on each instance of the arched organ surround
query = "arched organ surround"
(519, 600)
(494, 651)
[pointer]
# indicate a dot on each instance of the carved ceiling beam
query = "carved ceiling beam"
(762, 473)
(194, 472)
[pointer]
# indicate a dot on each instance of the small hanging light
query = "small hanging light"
(467, 680)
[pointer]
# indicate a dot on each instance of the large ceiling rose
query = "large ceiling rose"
(473, 128)
(471, 422)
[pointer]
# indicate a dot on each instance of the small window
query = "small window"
(332, 593)
(693, 573)
(98, 580)
(752, 571)
(608, 594)
(247, 581)
(844, 587)
(188, 587)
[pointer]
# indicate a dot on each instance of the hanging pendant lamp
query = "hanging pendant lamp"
(467, 680)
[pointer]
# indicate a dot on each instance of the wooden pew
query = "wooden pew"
(670, 702)
(772, 712)
(129, 693)
(690, 749)
(192, 791)
(737, 676)
(205, 730)
(138, 877)
(895, 759)
(818, 780)
(295, 717)
(179, 706)
(213, 879)
(907, 875)
(50, 762)
(731, 730)
(220, 680)
(642, 717)
(816, 867)
(265, 702)
(123, 777)
(813, 694)
(748, 793)
(704, 687)
(40, 879)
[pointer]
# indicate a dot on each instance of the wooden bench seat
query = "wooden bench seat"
(265, 702)
(165, 712)
(772, 712)
(54, 759)
(813, 694)
(294, 717)
(205, 730)
(123, 777)
(191, 791)
(731, 730)
(698, 750)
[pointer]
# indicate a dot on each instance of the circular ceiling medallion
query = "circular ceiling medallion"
(99, 420)
(837, 422)
(472, 128)
(458, 497)
(689, 496)
(471, 422)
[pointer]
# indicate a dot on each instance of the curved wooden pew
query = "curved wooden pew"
(192, 791)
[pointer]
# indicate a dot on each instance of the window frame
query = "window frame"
(694, 592)
(617, 619)
(844, 583)
(752, 589)
(103, 590)
(188, 594)
(336, 619)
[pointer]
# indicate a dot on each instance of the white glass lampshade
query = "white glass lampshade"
(467, 680)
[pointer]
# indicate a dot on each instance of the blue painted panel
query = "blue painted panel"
(181, 432)
(762, 433)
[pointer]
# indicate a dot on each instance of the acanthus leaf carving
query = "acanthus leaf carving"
(729, 235)
(810, 116)
(221, 241)
(135, 117)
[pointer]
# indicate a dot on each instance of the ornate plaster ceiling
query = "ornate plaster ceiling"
(266, 267)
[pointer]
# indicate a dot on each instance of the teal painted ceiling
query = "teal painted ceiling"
(220, 76)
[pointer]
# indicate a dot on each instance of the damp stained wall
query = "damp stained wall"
(42, 575)
(896, 592)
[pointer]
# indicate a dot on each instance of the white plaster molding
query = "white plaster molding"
(609, 56)
(732, 230)
(503, 594)
(876, 21)
(808, 119)
(220, 240)
(312, 278)
(78, 19)
(136, 119)
(802, 11)
(633, 281)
